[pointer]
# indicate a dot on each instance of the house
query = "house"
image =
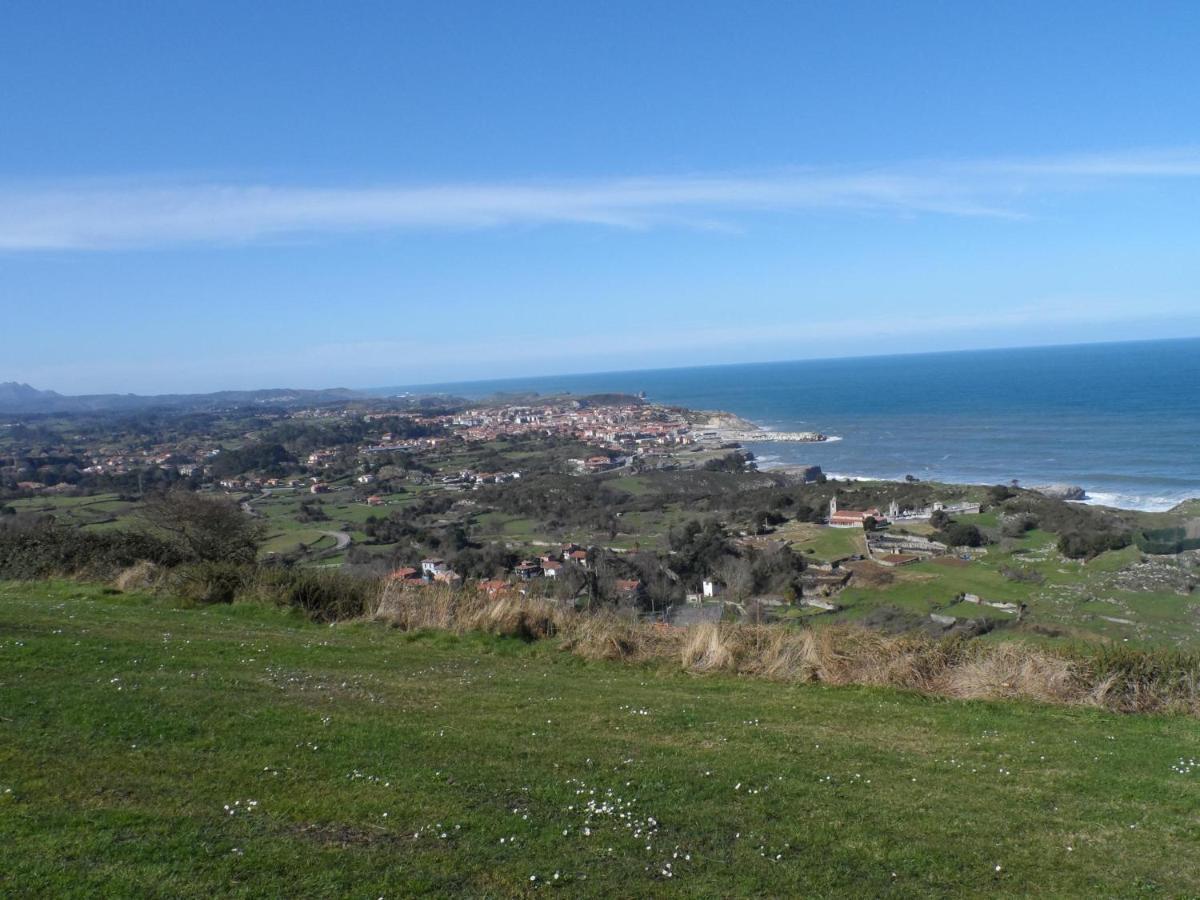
(527, 569)
(431, 567)
(366, 479)
(629, 587)
(710, 587)
(446, 576)
(374, 500)
(319, 488)
(551, 568)
(852, 518)
(406, 573)
(599, 464)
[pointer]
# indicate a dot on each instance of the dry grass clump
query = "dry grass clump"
(786, 655)
(1131, 681)
(1015, 670)
(138, 577)
(712, 648)
(606, 635)
(443, 608)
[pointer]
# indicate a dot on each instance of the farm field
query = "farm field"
(1073, 599)
(241, 751)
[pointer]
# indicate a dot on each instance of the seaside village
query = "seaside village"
(624, 429)
(626, 432)
(821, 581)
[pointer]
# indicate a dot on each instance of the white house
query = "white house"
(432, 567)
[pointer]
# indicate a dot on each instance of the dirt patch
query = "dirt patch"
(950, 562)
(869, 574)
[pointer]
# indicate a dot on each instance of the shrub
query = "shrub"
(44, 550)
(139, 576)
(204, 528)
(1017, 525)
(208, 581)
(322, 595)
(1087, 544)
(958, 534)
(1024, 576)
(998, 493)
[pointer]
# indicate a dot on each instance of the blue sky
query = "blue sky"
(197, 196)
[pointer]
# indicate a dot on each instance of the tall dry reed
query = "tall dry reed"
(837, 655)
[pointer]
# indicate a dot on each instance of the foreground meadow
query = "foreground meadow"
(151, 750)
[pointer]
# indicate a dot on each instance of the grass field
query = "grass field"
(147, 750)
(822, 543)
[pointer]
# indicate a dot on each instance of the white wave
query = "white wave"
(1138, 502)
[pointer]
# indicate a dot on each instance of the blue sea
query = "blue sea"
(1120, 420)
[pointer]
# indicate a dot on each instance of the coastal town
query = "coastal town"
(621, 429)
(606, 499)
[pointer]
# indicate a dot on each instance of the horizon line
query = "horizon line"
(416, 386)
(776, 362)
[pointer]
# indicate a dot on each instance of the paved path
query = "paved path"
(342, 538)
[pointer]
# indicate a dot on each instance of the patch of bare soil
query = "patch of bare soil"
(950, 562)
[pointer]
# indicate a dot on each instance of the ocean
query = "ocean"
(1120, 420)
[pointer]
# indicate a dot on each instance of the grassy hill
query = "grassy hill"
(242, 751)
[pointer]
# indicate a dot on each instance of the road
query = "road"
(342, 538)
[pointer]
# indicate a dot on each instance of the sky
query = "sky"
(204, 195)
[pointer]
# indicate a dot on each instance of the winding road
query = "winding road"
(342, 538)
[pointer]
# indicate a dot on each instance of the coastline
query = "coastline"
(726, 427)
(735, 429)
(1128, 502)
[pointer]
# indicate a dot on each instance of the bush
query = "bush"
(45, 550)
(1088, 544)
(958, 534)
(1016, 526)
(998, 493)
(730, 462)
(1023, 576)
(204, 528)
(322, 595)
(1166, 541)
(140, 576)
(208, 581)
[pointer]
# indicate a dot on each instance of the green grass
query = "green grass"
(99, 511)
(385, 764)
(313, 539)
(1072, 596)
(824, 542)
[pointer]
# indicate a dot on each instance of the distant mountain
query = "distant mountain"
(21, 398)
(15, 393)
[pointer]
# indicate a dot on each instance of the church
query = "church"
(851, 518)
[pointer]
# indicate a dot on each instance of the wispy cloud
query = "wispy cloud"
(153, 213)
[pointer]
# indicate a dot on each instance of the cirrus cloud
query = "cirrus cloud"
(152, 213)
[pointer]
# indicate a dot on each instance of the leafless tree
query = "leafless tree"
(204, 528)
